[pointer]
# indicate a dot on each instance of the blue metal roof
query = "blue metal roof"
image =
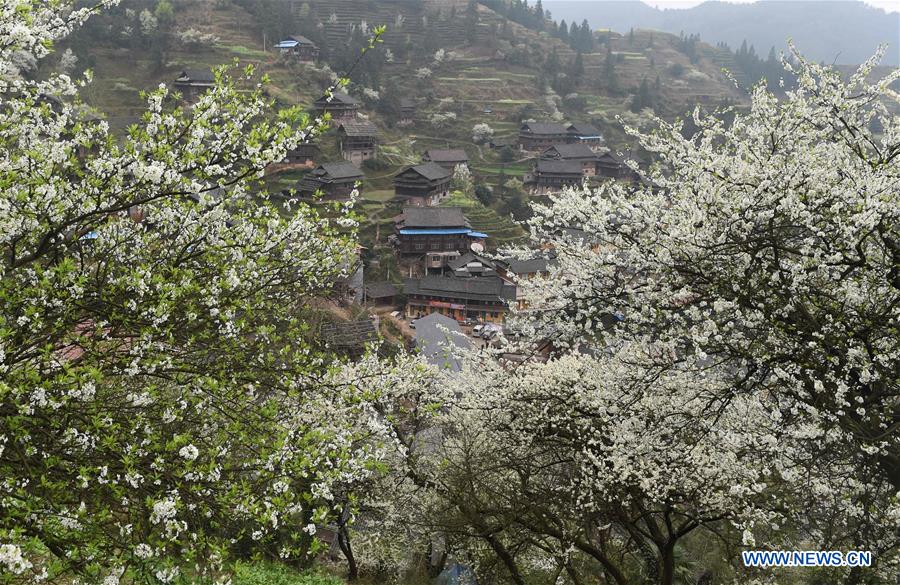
(477, 235)
(286, 45)
(434, 232)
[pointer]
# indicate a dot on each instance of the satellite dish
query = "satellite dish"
(477, 247)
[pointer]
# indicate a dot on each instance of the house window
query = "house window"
(419, 245)
(435, 245)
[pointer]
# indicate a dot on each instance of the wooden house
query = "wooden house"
(334, 180)
(298, 47)
(574, 152)
(381, 293)
(357, 140)
(612, 167)
(483, 299)
(585, 134)
(448, 158)
(434, 231)
(305, 154)
(341, 106)
(551, 176)
(538, 136)
(407, 112)
(192, 83)
(424, 184)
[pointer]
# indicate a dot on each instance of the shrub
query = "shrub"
(263, 573)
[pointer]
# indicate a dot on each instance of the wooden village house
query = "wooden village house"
(447, 158)
(342, 107)
(612, 167)
(585, 134)
(424, 184)
(357, 140)
(551, 176)
(334, 180)
(484, 299)
(304, 155)
(581, 153)
(439, 232)
(298, 47)
(192, 83)
(538, 136)
(407, 112)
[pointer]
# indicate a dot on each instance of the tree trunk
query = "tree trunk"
(667, 562)
(343, 537)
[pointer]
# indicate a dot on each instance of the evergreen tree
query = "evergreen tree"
(609, 71)
(585, 37)
(577, 68)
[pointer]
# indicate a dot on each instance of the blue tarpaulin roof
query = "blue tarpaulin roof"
(433, 231)
(441, 232)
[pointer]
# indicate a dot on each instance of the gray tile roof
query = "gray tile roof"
(487, 288)
(529, 266)
(446, 155)
(339, 170)
(196, 76)
(582, 129)
(570, 151)
(559, 167)
(470, 257)
(434, 342)
(380, 290)
(433, 217)
(431, 171)
(301, 39)
(541, 128)
(358, 128)
(338, 97)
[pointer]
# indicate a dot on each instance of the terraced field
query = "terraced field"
(500, 230)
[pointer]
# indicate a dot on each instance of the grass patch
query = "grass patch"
(243, 51)
(262, 573)
(516, 171)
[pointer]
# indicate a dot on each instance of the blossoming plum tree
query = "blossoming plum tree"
(724, 359)
(161, 405)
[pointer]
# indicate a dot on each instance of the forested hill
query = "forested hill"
(845, 32)
(452, 56)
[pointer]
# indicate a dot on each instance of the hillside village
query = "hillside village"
(443, 146)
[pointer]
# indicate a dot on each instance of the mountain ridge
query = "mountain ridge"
(847, 32)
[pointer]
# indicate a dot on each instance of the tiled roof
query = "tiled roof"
(433, 217)
(359, 128)
(446, 155)
(197, 76)
(487, 288)
(540, 128)
(380, 290)
(559, 167)
(570, 151)
(337, 97)
(339, 170)
(435, 334)
(431, 171)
